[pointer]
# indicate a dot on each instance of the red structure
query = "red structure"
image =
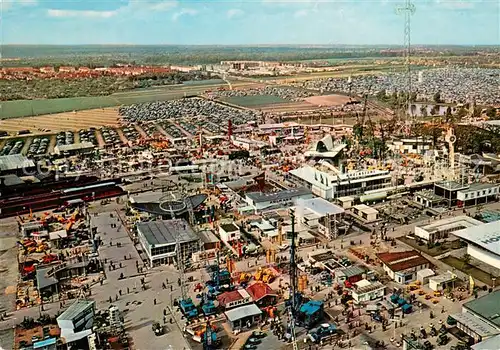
(229, 129)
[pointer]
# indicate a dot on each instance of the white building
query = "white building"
(365, 212)
(275, 200)
(417, 145)
(316, 213)
(229, 232)
(403, 267)
(159, 240)
(478, 193)
(365, 290)
(441, 282)
(441, 229)
(483, 242)
(328, 185)
(77, 320)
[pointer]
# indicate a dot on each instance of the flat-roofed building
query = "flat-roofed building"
(365, 290)
(318, 213)
(478, 193)
(75, 148)
(330, 185)
(279, 199)
(483, 242)
(448, 190)
(16, 164)
(159, 239)
(480, 318)
(441, 229)
(76, 322)
(365, 213)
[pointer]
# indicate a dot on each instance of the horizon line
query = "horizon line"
(256, 45)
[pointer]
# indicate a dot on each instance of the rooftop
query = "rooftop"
(232, 296)
(320, 206)
(326, 180)
(451, 185)
(478, 187)
(259, 197)
(15, 161)
(445, 277)
(399, 261)
(74, 147)
(76, 309)
(476, 324)
(487, 236)
(242, 312)
(365, 209)
(229, 227)
(369, 288)
(487, 307)
(488, 344)
(259, 290)
(11, 180)
(350, 271)
(163, 232)
(457, 222)
(207, 236)
(429, 195)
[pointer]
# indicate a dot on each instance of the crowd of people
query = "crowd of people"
(187, 107)
(454, 85)
(289, 94)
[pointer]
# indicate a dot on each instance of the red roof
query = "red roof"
(402, 260)
(259, 290)
(228, 297)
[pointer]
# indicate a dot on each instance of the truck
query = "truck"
(209, 308)
(325, 330)
(188, 309)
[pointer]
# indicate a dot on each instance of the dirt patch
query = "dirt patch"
(8, 261)
(328, 100)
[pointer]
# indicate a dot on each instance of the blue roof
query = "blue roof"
(42, 343)
(311, 307)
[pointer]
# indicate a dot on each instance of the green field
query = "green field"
(252, 101)
(25, 108)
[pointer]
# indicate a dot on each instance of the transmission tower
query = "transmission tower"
(408, 9)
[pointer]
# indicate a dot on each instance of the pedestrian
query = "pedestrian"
(154, 301)
(120, 265)
(128, 290)
(110, 300)
(171, 288)
(116, 297)
(120, 292)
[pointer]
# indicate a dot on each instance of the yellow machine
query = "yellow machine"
(245, 277)
(258, 274)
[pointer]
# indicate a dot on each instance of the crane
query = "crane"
(293, 286)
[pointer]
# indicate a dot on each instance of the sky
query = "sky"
(249, 22)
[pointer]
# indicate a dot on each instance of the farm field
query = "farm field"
(28, 108)
(53, 123)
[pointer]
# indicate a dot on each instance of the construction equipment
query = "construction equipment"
(188, 308)
(310, 313)
(244, 278)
